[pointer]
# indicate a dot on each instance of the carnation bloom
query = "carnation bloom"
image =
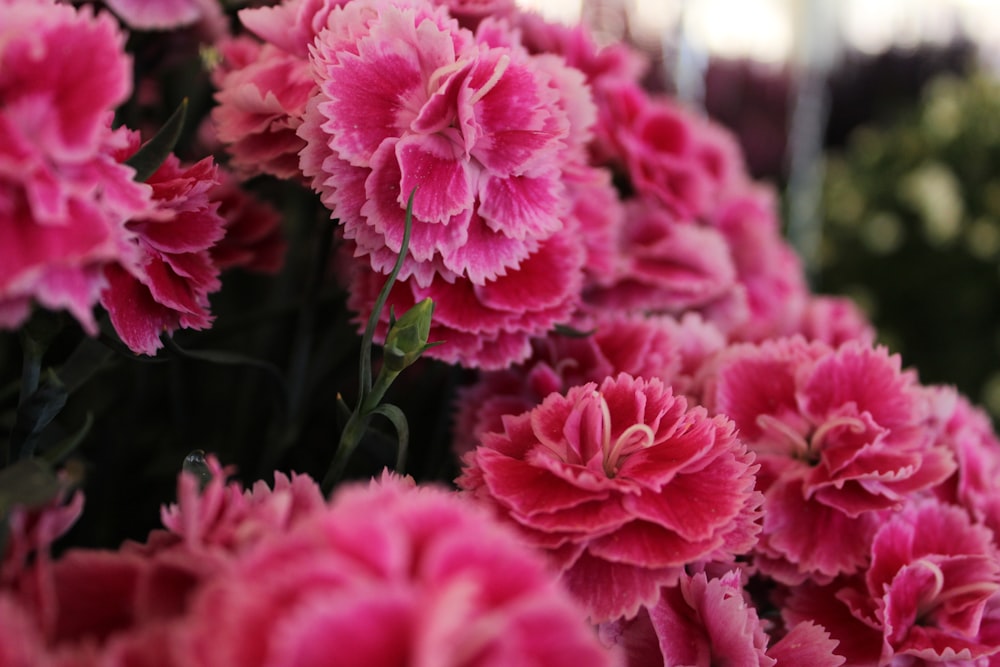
(613, 343)
(64, 198)
(390, 575)
(167, 14)
(835, 320)
(840, 435)
(922, 601)
(262, 96)
(622, 485)
(175, 274)
(704, 621)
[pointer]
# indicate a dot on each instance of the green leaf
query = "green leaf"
(152, 154)
(398, 419)
(65, 447)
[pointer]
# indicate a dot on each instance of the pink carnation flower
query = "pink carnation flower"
(923, 599)
(64, 199)
(262, 96)
(656, 346)
(841, 435)
(835, 320)
(480, 130)
(968, 433)
(705, 621)
(390, 575)
(168, 14)
(175, 274)
(622, 485)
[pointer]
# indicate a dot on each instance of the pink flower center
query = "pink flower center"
(631, 440)
(802, 446)
(935, 596)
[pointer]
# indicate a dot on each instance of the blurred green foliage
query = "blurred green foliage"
(911, 214)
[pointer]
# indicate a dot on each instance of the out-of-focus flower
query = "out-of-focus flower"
(254, 240)
(169, 287)
(64, 199)
(922, 600)
(391, 575)
(840, 434)
(835, 320)
(622, 485)
(710, 621)
(169, 14)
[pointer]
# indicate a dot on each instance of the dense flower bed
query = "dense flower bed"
(666, 450)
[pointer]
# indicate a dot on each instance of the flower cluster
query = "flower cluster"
(386, 573)
(663, 449)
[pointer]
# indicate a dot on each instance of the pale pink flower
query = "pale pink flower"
(622, 485)
(169, 14)
(262, 96)
(64, 199)
(656, 346)
(704, 621)
(169, 287)
(391, 575)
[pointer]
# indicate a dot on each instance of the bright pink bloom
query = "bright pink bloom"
(933, 575)
(704, 621)
(175, 274)
(224, 515)
(30, 532)
(840, 435)
(648, 347)
(488, 326)
(622, 485)
(481, 131)
(968, 432)
(63, 197)
(254, 238)
(391, 575)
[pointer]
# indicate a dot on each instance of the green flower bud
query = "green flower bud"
(407, 337)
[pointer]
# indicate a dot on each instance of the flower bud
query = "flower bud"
(407, 337)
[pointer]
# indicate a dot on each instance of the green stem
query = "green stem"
(350, 438)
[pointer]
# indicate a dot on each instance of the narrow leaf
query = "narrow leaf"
(36, 412)
(152, 154)
(27, 483)
(398, 419)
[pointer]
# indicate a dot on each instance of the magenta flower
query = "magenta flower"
(968, 432)
(480, 129)
(704, 621)
(64, 199)
(622, 485)
(841, 435)
(655, 346)
(175, 274)
(390, 575)
(924, 599)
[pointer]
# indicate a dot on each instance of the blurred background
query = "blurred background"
(879, 124)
